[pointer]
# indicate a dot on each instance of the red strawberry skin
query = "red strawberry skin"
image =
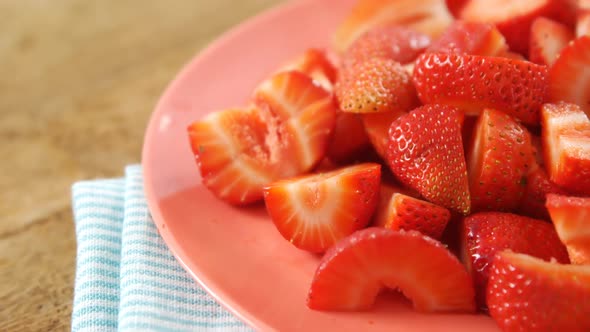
(499, 160)
(538, 186)
(314, 211)
(485, 233)
(529, 294)
(471, 38)
(571, 217)
(548, 38)
(473, 83)
(426, 154)
(353, 272)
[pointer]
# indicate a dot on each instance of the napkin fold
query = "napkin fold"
(126, 278)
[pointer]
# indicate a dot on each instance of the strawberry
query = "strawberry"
(377, 129)
(566, 142)
(473, 83)
(548, 38)
(514, 20)
(376, 85)
(583, 23)
(394, 42)
(426, 154)
(353, 272)
(538, 186)
(571, 217)
(427, 16)
(529, 294)
(409, 213)
(455, 6)
(471, 38)
(314, 211)
(349, 138)
(569, 78)
(512, 55)
(485, 233)
(499, 159)
(315, 64)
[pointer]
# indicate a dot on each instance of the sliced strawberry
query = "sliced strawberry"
(514, 18)
(566, 140)
(512, 55)
(315, 63)
(394, 42)
(583, 23)
(313, 212)
(377, 129)
(376, 85)
(548, 38)
(349, 138)
(528, 294)
(471, 38)
(427, 16)
(304, 114)
(538, 186)
(486, 233)
(571, 217)
(353, 272)
(426, 154)
(473, 83)
(569, 78)
(499, 159)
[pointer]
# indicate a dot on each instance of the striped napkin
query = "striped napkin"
(126, 278)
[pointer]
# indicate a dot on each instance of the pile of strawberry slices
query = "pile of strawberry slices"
(442, 149)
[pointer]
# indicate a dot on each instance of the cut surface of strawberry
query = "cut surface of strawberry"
(499, 160)
(376, 85)
(485, 233)
(548, 38)
(353, 272)
(315, 63)
(377, 129)
(349, 138)
(569, 77)
(426, 154)
(315, 211)
(529, 294)
(583, 23)
(428, 16)
(473, 83)
(571, 217)
(471, 38)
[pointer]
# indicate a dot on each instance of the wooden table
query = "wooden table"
(78, 81)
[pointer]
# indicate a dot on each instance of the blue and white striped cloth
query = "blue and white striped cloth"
(126, 278)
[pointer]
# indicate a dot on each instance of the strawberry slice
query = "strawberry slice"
(528, 294)
(471, 38)
(376, 85)
(353, 272)
(426, 154)
(566, 142)
(569, 77)
(395, 42)
(571, 217)
(548, 38)
(499, 160)
(538, 186)
(377, 129)
(485, 233)
(473, 83)
(349, 138)
(314, 211)
(427, 16)
(315, 64)
(514, 18)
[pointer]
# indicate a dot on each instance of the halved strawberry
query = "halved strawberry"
(548, 38)
(353, 272)
(571, 217)
(486, 233)
(314, 63)
(538, 186)
(473, 83)
(377, 129)
(349, 138)
(376, 85)
(514, 18)
(393, 42)
(304, 115)
(426, 154)
(471, 38)
(566, 140)
(569, 77)
(529, 294)
(314, 211)
(499, 159)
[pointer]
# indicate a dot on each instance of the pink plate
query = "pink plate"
(237, 254)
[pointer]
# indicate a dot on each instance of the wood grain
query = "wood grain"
(79, 81)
